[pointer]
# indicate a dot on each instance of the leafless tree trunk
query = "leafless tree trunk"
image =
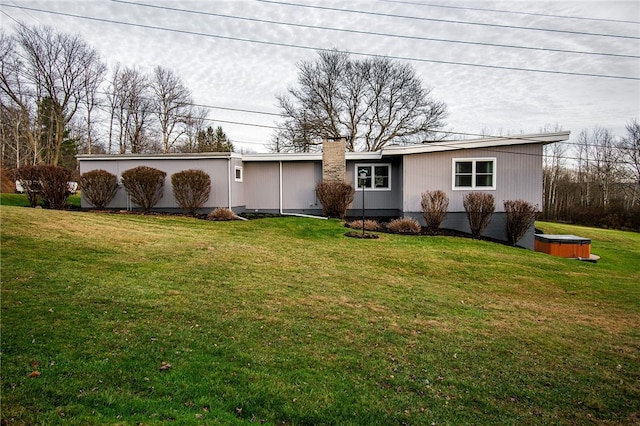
(373, 102)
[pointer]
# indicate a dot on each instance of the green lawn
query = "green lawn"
(286, 321)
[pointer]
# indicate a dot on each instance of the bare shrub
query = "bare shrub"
(479, 207)
(144, 185)
(369, 225)
(434, 209)
(29, 177)
(520, 216)
(55, 186)
(191, 188)
(98, 187)
(405, 225)
(335, 197)
(222, 213)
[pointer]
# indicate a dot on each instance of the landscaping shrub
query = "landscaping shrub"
(98, 187)
(144, 185)
(479, 207)
(434, 209)
(55, 186)
(520, 216)
(369, 225)
(405, 225)
(191, 188)
(29, 177)
(222, 213)
(335, 197)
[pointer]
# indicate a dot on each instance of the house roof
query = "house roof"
(389, 151)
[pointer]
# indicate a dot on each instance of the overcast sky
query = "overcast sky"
(241, 54)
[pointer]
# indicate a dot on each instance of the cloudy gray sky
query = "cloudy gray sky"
(581, 67)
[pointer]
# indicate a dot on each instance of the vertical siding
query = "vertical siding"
(261, 182)
(299, 185)
(518, 175)
(217, 169)
(237, 188)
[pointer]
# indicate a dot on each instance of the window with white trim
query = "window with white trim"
(373, 176)
(474, 173)
(238, 174)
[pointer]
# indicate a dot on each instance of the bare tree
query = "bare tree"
(131, 111)
(19, 117)
(171, 103)
(51, 75)
(373, 102)
(630, 151)
(93, 78)
(193, 125)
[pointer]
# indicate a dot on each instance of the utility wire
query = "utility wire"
(449, 21)
(279, 44)
(546, 15)
(351, 31)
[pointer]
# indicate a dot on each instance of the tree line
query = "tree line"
(595, 181)
(57, 100)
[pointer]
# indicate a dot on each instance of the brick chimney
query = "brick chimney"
(334, 165)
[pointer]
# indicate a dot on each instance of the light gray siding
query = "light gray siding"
(262, 186)
(518, 175)
(216, 168)
(299, 180)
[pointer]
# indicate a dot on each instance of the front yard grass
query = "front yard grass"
(286, 321)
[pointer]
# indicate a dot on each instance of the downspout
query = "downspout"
(229, 179)
(280, 186)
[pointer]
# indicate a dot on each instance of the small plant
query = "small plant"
(434, 209)
(369, 225)
(98, 187)
(222, 213)
(55, 186)
(405, 225)
(335, 197)
(29, 177)
(479, 207)
(520, 216)
(191, 188)
(144, 185)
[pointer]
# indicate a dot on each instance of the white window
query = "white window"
(238, 174)
(373, 176)
(474, 173)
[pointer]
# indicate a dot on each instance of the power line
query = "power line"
(546, 15)
(373, 33)
(279, 44)
(449, 21)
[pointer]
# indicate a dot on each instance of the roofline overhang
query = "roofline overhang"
(390, 151)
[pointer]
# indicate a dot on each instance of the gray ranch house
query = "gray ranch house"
(393, 181)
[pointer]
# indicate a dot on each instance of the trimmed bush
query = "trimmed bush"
(520, 216)
(98, 187)
(434, 209)
(222, 213)
(191, 188)
(479, 207)
(29, 177)
(144, 185)
(55, 186)
(335, 197)
(369, 225)
(405, 225)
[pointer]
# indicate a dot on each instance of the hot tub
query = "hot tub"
(568, 246)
